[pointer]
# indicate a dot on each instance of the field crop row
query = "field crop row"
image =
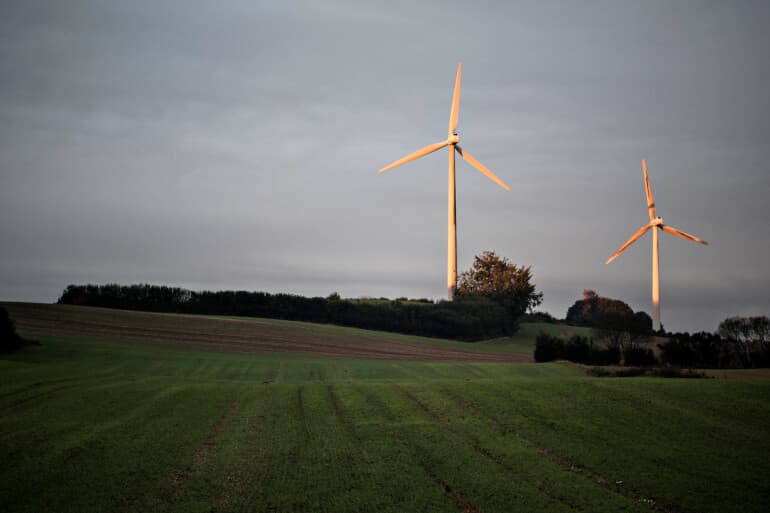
(75, 441)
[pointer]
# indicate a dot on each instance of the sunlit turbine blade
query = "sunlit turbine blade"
(648, 192)
(455, 101)
(478, 165)
(680, 233)
(629, 242)
(416, 155)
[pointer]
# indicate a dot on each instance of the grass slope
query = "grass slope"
(115, 426)
(41, 319)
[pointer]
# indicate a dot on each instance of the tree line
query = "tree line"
(619, 335)
(490, 300)
(466, 318)
(740, 342)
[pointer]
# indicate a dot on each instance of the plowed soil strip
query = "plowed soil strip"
(246, 336)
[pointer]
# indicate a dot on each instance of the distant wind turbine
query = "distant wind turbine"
(655, 222)
(451, 141)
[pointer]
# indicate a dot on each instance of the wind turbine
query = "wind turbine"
(451, 141)
(655, 223)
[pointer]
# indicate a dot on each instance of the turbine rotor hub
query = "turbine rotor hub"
(453, 138)
(657, 221)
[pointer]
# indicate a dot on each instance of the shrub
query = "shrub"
(705, 350)
(678, 351)
(632, 372)
(539, 316)
(577, 349)
(636, 355)
(9, 340)
(548, 348)
(606, 356)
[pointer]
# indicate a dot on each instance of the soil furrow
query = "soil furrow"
(250, 336)
(620, 487)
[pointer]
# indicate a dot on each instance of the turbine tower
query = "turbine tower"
(451, 141)
(655, 223)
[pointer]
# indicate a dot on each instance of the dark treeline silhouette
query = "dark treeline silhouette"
(575, 349)
(700, 350)
(712, 351)
(467, 318)
(740, 342)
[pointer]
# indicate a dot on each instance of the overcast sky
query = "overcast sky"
(235, 145)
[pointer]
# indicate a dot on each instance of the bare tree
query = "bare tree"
(749, 334)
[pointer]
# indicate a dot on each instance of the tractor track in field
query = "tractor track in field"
(379, 404)
(460, 500)
(347, 424)
(201, 453)
(38, 385)
(565, 462)
(302, 414)
(242, 336)
(45, 393)
(484, 452)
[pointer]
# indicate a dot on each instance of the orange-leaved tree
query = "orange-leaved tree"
(502, 281)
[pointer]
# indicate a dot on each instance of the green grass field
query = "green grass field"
(90, 423)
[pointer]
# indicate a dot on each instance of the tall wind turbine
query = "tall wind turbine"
(451, 141)
(655, 223)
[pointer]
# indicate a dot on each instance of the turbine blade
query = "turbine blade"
(416, 155)
(648, 192)
(478, 165)
(630, 241)
(680, 233)
(455, 113)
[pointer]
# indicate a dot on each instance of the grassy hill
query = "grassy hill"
(97, 420)
(242, 334)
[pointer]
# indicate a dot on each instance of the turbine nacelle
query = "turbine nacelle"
(657, 221)
(452, 140)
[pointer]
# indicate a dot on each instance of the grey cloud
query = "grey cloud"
(235, 145)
